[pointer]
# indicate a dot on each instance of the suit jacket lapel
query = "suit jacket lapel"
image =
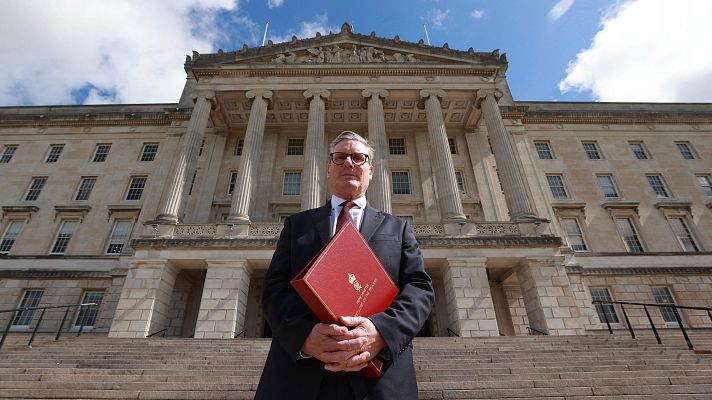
(322, 222)
(372, 219)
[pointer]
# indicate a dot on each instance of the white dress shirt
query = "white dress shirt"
(356, 212)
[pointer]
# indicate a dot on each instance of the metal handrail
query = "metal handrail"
(243, 334)
(450, 332)
(162, 331)
(530, 329)
(67, 307)
(645, 306)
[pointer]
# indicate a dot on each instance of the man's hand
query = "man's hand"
(333, 344)
(361, 329)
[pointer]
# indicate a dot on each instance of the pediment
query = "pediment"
(347, 48)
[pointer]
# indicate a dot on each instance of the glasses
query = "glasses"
(339, 158)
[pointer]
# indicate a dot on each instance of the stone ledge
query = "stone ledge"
(55, 274)
(640, 270)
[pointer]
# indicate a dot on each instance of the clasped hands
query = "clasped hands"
(345, 347)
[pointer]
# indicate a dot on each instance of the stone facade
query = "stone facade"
(168, 214)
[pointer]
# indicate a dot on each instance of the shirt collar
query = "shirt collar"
(336, 202)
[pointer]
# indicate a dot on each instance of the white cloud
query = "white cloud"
(477, 14)
(128, 51)
(275, 3)
(437, 16)
(307, 29)
(559, 9)
(647, 51)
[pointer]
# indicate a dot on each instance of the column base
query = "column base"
(238, 219)
(165, 219)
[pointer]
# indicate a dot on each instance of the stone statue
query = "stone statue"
(337, 55)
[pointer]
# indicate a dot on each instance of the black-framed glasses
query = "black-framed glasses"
(339, 158)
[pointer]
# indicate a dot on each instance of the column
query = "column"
(510, 176)
(548, 298)
(313, 176)
(448, 194)
(214, 152)
(145, 298)
(240, 207)
(186, 161)
(379, 191)
(469, 300)
(224, 300)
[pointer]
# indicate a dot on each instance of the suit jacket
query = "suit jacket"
(303, 236)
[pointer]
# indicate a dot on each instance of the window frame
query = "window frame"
(55, 242)
(603, 308)
(563, 186)
(295, 149)
(6, 232)
(662, 185)
(81, 190)
(297, 184)
(112, 235)
(96, 153)
(129, 187)
(634, 227)
(452, 145)
(31, 189)
(53, 156)
(663, 310)
(614, 186)
(461, 185)
(145, 154)
(406, 174)
(688, 230)
(93, 310)
(30, 314)
(580, 233)
(692, 153)
(231, 182)
(644, 151)
(394, 146)
(706, 189)
(596, 148)
(239, 147)
(548, 150)
(8, 153)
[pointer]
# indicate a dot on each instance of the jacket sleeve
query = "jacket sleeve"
(402, 320)
(289, 317)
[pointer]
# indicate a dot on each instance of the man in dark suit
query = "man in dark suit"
(311, 360)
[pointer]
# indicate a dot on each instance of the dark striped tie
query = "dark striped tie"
(344, 215)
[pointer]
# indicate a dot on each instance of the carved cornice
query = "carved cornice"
(640, 270)
(364, 71)
(622, 116)
(53, 274)
(72, 119)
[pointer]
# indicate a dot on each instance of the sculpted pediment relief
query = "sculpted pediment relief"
(345, 54)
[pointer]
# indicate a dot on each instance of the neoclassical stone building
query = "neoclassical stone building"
(168, 214)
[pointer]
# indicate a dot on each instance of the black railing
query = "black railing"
(645, 306)
(162, 332)
(243, 334)
(67, 307)
(531, 331)
(450, 332)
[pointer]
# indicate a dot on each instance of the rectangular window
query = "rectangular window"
(86, 316)
(295, 146)
(292, 183)
(705, 183)
(149, 151)
(556, 186)
(602, 294)
(136, 186)
(31, 299)
(64, 235)
(658, 186)
(460, 179)
(543, 149)
(238, 146)
(11, 233)
(629, 235)
(119, 236)
(591, 149)
(400, 181)
(396, 146)
(685, 150)
(54, 152)
(452, 143)
(101, 152)
(7, 153)
(231, 183)
(35, 188)
(574, 234)
(85, 187)
(638, 150)
(662, 295)
(679, 226)
(608, 187)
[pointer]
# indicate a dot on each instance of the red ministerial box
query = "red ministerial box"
(346, 279)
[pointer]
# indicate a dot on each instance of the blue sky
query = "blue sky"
(132, 51)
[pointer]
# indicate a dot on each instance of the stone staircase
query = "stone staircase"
(563, 367)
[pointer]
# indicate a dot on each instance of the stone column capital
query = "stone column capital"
(206, 94)
(263, 93)
(482, 94)
(323, 93)
(427, 93)
(380, 92)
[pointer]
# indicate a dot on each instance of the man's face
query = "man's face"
(348, 180)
